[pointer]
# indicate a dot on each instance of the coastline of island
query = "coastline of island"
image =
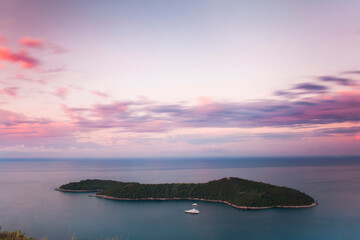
(314, 204)
(235, 192)
(77, 191)
(203, 200)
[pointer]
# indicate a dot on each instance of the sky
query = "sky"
(179, 78)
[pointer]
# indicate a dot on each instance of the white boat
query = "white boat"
(194, 204)
(193, 211)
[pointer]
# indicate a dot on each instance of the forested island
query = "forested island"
(236, 192)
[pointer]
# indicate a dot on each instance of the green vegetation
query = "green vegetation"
(15, 235)
(18, 235)
(235, 191)
(94, 185)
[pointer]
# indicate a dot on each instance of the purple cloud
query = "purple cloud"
(349, 131)
(141, 116)
(310, 87)
(338, 80)
(351, 72)
(137, 117)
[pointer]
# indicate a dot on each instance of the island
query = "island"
(236, 192)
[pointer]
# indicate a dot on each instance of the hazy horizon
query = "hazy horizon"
(191, 157)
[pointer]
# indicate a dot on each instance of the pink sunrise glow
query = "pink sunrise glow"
(192, 83)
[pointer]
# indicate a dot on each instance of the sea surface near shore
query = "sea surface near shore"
(28, 200)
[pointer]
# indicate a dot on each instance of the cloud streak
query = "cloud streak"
(22, 58)
(310, 87)
(100, 94)
(11, 91)
(338, 80)
(17, 128)
(61, 92)
(144, 117)
(136, 116)
(32, 42)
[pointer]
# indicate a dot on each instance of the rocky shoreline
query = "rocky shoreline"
(205, 200)
(76, 191)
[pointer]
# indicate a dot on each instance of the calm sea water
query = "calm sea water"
(28, 200)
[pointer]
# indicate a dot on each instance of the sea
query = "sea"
(29, 202)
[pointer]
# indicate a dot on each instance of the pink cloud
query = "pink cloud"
(18, 128)
(100, 94)
(71, 112)
(11, 91)
(66, 109)
(10, 118)
(116, 115)
(32, 42)
(204, 100)
(40, 43)
(54, 70)
(61, 92)
(26, 78)
(347, 92)
(22, 77)
(21, 57)
(135, 116)
(110, 110)
(144, 116)
(34, 132)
